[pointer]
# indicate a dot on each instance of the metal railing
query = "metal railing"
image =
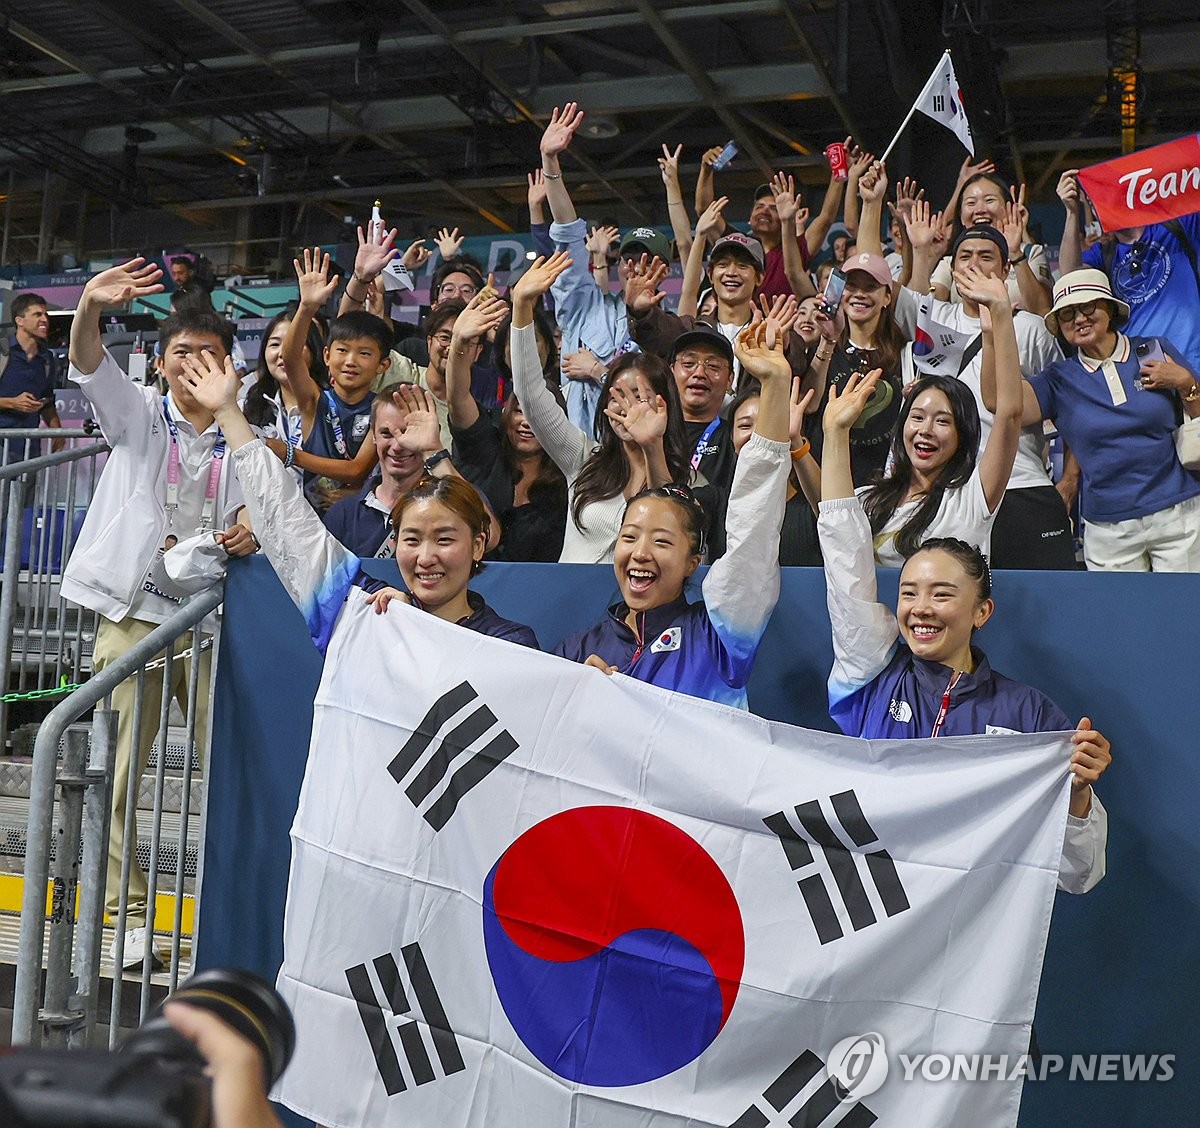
(43, 641)
(66, 1011)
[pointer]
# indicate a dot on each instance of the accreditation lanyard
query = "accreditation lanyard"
(214, 474)
(941, 717)
(339, 437)
(702, 442)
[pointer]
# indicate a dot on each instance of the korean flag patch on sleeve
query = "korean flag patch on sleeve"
(668, 640)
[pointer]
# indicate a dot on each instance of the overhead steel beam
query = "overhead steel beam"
(395, 44)
(704, 85)
(828, 89)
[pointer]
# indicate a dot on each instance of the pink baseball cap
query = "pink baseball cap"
(874, 265)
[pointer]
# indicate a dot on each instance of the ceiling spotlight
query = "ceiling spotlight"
(600, 127)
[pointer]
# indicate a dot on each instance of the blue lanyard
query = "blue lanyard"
(339, 438)
(698, 454)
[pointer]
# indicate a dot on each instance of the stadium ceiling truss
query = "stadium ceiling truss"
(239, 104)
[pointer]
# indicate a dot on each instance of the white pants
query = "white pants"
(1165, 541)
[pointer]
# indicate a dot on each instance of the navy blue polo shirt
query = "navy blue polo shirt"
(360, 522)
(21, 374)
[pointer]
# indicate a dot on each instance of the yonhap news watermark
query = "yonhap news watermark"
(859, 1065)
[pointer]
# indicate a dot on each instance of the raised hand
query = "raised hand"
(710, 155)
(642, 284)
(786, 203)
(985, 290)
(782, 310)
(801, 222)
(213, 384)
(557, 137)
(668, 165)
(842, 410)
(540, 277)
(422, 431)
(760, 350)
(639, 418)
(860, 162)
(119, 285)
(872, 186)
(484, 312)
(925, 228)
(601, 238)
(449, 243)
(968, 169)
(907, 194)
(1068, 190)
(417, 255)
(798, 407)
(1012, 227)
(316, 287)
(536, 195)
(375, 250)
(710, 220)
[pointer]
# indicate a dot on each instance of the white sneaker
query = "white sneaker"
(135, 950)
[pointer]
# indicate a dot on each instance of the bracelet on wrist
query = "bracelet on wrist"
(1016, 260)
(436, 459)
(1192, 395)
(803, 449)
(290, 459)
(551, 175)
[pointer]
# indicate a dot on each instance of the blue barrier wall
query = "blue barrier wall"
(1120, 974)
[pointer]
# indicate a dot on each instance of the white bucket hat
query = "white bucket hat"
(1080, 287)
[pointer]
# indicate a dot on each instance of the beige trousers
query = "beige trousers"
(112, 641)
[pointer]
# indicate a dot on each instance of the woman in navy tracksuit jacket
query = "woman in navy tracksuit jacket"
(706, 648)
(916, 674)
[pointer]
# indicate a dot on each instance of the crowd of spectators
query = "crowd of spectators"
(592, 423)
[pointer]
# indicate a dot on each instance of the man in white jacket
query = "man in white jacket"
(164, 481)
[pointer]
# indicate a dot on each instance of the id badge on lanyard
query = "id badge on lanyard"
(339, 436)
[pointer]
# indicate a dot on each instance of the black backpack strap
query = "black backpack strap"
(970, 353)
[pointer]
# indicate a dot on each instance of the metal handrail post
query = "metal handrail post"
(41, 800)
(14, 520)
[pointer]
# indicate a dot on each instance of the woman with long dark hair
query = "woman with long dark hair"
(279, 406)
(639, 439)
(862, 336)
(505, 460)
(936, 486)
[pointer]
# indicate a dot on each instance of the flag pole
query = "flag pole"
(913, 110)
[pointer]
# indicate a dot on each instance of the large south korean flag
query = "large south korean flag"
(526, 894)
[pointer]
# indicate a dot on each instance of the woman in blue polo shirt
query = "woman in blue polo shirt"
(1118, 403)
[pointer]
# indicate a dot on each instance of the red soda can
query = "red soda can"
(835, 154)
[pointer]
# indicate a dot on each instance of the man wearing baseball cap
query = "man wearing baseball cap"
(1033, 527)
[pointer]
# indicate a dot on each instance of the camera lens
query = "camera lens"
(238, 998)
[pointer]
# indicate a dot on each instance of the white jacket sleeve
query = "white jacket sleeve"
(565, 443)
(742, 587)
(575, 291)
(1084, 859)
(864, 630)
(315, 567)
(117, 401)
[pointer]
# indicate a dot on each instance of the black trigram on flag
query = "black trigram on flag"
(939, 103)
(842, 862)
(820, 1103)
(436, 754)
(379, 1006)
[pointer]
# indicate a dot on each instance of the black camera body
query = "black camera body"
(156, 1079)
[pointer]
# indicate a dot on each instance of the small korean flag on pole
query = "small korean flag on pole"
(942, 100)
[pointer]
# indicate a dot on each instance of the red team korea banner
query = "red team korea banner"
(1147, 187)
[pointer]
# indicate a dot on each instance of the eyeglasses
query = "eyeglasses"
(717, 369)
(449, 289)
(443, 339)
(1084, 309)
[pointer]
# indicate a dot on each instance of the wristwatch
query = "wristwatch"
(436, 458)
